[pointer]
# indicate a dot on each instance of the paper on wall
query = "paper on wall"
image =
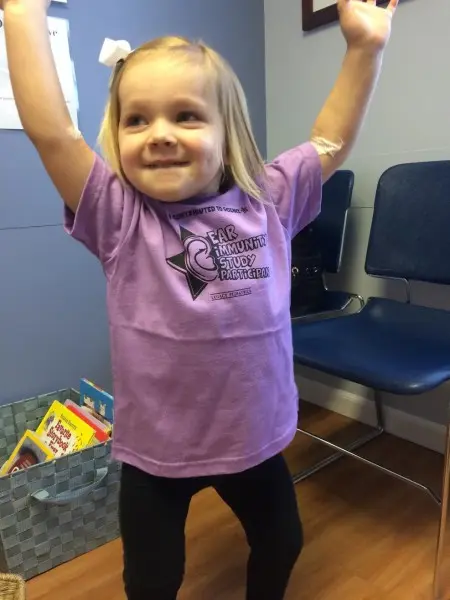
(59, 38)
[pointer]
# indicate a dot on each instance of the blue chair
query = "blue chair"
(328, 232)
(393, 346)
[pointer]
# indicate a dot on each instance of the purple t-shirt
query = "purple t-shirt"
(198, 297)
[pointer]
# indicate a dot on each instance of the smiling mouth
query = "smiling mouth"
(168, 165)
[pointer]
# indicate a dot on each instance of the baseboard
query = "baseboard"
(403, 425)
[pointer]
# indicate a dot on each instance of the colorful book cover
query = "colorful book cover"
(92, 413)
(99, 400)
(63, 431)
(29, 451)
(101, 431)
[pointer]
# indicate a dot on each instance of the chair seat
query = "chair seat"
(331, 301)
(388, 346)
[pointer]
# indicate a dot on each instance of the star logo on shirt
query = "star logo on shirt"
(196, 262)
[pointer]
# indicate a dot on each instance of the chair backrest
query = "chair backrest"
(331, 223)
(318, 247)
(410, 232)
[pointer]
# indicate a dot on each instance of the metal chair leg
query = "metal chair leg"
(340, 452)
(437, 583)
(442, 501)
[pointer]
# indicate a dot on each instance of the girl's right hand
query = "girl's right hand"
(45, 3)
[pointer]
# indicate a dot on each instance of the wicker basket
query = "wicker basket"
(54, 511)
(12, 587)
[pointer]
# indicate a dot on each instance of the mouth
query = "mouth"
(167, 165)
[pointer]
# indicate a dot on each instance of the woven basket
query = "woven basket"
(12, 587)
(54, 511)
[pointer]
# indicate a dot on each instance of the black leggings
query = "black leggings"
(153, 512)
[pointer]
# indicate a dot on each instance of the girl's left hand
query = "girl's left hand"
(364, 24)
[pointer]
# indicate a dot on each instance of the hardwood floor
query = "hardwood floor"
(368, 536)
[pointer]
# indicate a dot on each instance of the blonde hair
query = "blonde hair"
(242, 162)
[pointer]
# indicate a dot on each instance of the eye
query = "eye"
(188, 116)
(135, 121)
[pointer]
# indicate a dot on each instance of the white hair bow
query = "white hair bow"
(112, 51)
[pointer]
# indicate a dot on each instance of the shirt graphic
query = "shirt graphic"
(220, 255)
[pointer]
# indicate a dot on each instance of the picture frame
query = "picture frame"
(317, 13)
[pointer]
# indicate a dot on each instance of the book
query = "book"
(91, 412)
(30, 451)
(97, 399)
(102, 432)
(64, 432)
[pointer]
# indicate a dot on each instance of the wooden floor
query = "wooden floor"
(368, 536)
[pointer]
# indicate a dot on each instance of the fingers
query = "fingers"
(392, 5)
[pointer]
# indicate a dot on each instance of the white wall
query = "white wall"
(409, 121)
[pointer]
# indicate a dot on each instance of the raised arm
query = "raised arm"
(366, 29)
(40, 101)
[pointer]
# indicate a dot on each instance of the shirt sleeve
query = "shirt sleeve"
(295, 186)
(100, 222)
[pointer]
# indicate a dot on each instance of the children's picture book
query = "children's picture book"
(91, 412)
(102, 431)
(64, 432)
(30, 451)
(97, 399)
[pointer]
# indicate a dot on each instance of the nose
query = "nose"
(161, 134)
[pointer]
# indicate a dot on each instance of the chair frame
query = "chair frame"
(331, 313)
(441, 500)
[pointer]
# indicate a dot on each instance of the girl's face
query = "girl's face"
(171, 134)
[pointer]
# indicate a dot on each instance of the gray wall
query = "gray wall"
(409, 121)
(53, 324)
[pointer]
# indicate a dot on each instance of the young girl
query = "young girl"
(193, 232)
